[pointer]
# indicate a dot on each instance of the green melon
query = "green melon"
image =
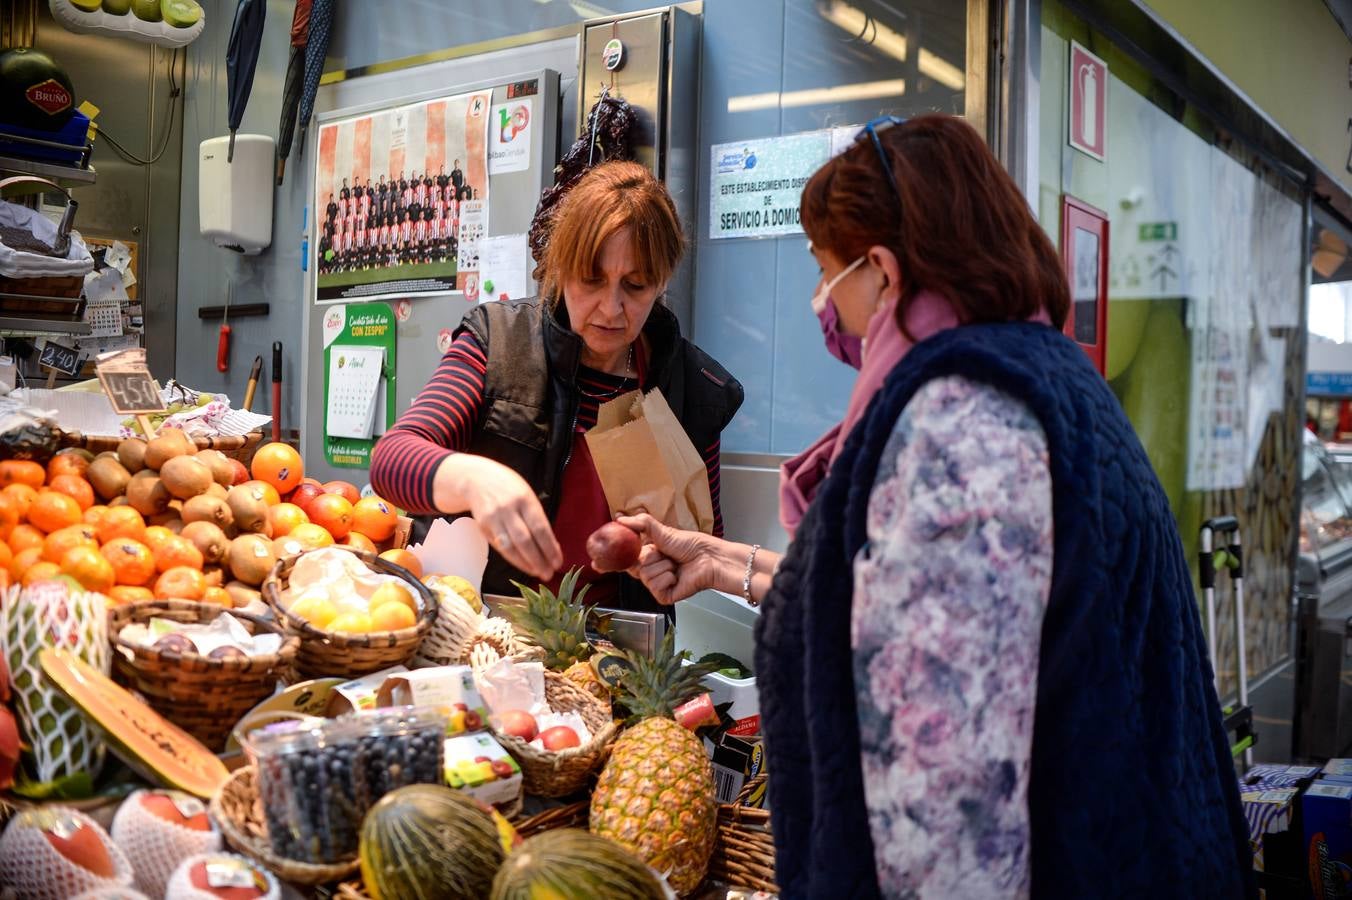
(571, 864)
(34, 91)
(428, 842)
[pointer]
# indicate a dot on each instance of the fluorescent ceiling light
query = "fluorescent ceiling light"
(844, 93)
(857, 23)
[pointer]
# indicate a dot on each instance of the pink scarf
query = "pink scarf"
(884, 347)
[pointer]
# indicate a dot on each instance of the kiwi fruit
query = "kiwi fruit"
(108, 477)
(208, 509)
(132, 454)
(218, 491)
(250, 508)
(221, 471)
(209, 539)
(169, 444)
(147, 495)
(167, 519)
(119, 501)
(251, 558)
(241, 594)
(214, 575)
(186, 476)
(106, 454)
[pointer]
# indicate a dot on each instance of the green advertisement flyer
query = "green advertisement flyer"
(359, 381)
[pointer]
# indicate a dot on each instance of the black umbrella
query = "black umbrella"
(316, 49)
(241, 58)
(295, 78)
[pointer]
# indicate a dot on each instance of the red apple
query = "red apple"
(241, 473)
(613, 548)
(9, 748)
(518, 723)
(180, 809)
(304, 493)
(560, 737)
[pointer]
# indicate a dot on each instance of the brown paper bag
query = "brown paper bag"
(646, 462)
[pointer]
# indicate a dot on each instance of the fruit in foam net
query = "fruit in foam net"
(158, 829)
(613, 548)
(221, 876)
(55, 852)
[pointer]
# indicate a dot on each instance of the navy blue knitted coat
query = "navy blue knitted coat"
(1132, 791)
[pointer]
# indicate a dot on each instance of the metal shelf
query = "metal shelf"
(66, 176)
(24, 324)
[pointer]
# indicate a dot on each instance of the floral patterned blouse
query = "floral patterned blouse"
(948, 603)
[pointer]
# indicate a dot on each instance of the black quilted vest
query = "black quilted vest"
(531, 400)
(1132, 791)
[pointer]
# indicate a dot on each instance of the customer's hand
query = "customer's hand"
(675, 564)
(511, 517)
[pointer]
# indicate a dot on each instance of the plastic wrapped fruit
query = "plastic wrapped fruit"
(25, 435)
(54, 853)
(222, 876)
(158, 830)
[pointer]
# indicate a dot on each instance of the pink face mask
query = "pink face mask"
(845, 347)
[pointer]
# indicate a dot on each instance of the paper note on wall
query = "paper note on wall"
(354, 377)
(502, 267)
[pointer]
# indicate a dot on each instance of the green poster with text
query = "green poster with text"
(358, 381)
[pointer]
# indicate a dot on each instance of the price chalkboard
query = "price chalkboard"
(131, 392)
(62, 359)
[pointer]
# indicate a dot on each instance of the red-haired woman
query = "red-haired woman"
(980, 663)
(498, 431)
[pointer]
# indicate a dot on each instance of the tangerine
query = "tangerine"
(22, 471)
(360, 541)
(284, 517)
(392, 592)
(178, 552)
(333, 513)
(6, 557)
(218, 595)
(94, 514)
(53, 510)
(9, 515)
(156, 536)
(374, 518)
(279, 465)
(40, 571)
(269, 495)
(310, 536)
(393, 616)
(75, 487)
(89, 567)
(121, 522)
(67, 463)
(128, 593)
(24, 560)
(23, 496)
(25, 536)
(58, 543)
(182, 583)
(133, 563)
(406, 559)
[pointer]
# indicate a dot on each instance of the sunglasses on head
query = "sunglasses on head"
(872, 130)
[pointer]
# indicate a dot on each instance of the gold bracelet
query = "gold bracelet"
(746, 579)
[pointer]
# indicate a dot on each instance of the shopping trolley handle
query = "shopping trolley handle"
(1221, 524)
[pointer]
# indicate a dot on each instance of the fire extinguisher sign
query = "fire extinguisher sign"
(1088, 102)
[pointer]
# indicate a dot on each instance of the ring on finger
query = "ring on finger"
(504, 540)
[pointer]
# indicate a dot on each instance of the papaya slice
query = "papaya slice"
(152, 746)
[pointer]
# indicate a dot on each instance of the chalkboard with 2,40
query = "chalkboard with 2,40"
(61, 358)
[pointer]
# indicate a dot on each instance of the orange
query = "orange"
(75, 487)
(310, 536)
(133, 563)
(360, 541)
(9, 515)
(406, 559)
(270, 495)
(41, 571)
(94, 514)
(25, 536)
(390, 592)
(89, 567)
(23, 560)
(332, 513)
(126, 593)
(53, 510)
(22, 471)
(345, 489)
(218, 595)
(121, 521)
(6, 557)
(392, 616)
(67, 463)
(23, 496)
(58, 543)
(178, 552)
(181, 582)
(156, 536)
(284, 517)
(374, 518)
(279, 465)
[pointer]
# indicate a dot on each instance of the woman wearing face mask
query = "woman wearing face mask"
(980, 664)
(498, 431)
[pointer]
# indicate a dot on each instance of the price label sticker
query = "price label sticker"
(59, 357)
(127, 382)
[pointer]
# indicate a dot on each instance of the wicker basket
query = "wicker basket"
(238, 812)
(240, 447)
(558, 773)
(204, 697)
(325, 653)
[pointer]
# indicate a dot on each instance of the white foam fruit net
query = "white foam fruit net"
(43, 615)
(227, 865)
(156, 847)
(33, 868)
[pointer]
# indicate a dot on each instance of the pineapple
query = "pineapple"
(584, 676)
(656, 794)
(555, 624)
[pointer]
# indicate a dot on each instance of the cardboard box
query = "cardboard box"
(477, 765)
(1327, 812)
(1273, 775)
(1338, 767)
(360, 693)
(1270, 813)
(734, 760)
(448, 689)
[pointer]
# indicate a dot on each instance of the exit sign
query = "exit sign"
(1157, 231)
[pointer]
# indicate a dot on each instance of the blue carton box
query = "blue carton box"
(1270, 814)
(73, 135)
(1326, 808)
(1342, 767)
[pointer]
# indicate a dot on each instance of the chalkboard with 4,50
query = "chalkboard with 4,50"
(131, 392)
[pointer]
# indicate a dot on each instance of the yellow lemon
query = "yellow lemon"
(316, 609)
(392, 592)
(352, 623)
(392, 616)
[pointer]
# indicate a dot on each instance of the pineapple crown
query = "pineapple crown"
(555, 623)
(654, 686)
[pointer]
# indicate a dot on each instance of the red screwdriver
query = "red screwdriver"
(223, 344)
